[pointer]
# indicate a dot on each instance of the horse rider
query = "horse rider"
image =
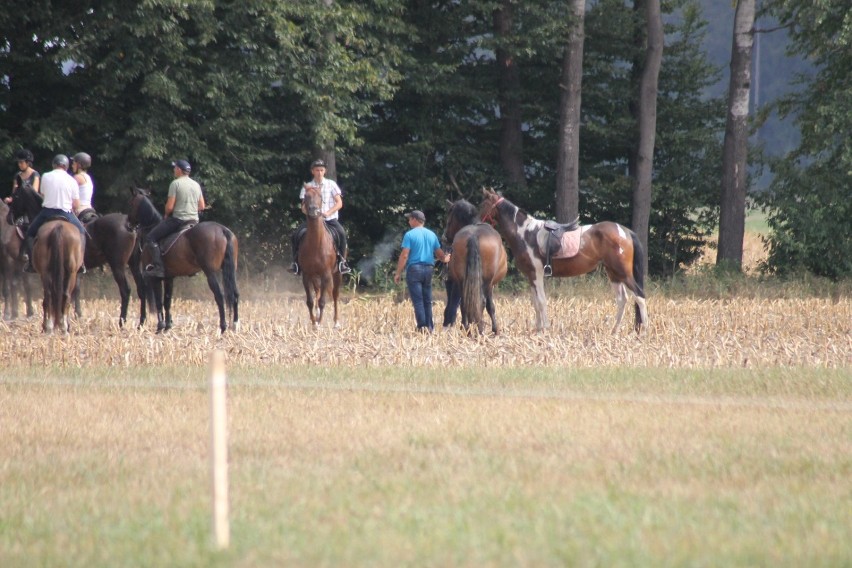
(61, 199)
(80, 164)
(332, 202)
(183, 203)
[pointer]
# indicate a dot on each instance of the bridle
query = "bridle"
(489, 216)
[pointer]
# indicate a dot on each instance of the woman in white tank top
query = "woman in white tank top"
(79, 164)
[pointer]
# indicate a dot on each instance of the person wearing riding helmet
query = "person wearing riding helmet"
(26, 176)
(61, 196)
(80, 164)
(183, 203)
(332, 202)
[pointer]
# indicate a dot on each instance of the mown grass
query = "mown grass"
(430, 467)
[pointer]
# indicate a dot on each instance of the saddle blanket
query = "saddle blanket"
(570, 244)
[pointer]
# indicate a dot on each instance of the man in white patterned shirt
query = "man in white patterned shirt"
(332, 202)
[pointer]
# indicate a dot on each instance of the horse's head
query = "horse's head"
(141, 210)
(313, 202)
(460, 214)
(26, 201)
(488, 208)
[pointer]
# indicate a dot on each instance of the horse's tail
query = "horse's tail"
(229, 270)
(472, 282)
(59, 273)
(638, 275)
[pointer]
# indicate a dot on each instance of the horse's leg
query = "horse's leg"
(641, 313)
(213, 283)
(321, 297)
(168, 288)
(47, 320)
(75, 298)
(309, 299)
(156, 287)
(539, 300)
(120, 278)
(142, 291)
(335, 294)
(489, 306)
(621, 300)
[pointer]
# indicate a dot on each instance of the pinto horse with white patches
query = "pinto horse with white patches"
(607, 243)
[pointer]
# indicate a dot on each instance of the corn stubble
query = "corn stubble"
(684, 333)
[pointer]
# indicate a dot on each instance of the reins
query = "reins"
(489, 216)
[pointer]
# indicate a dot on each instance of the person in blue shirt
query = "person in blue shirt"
(420, 248)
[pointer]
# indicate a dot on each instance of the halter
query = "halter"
(489, 215)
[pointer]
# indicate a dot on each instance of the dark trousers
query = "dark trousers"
(165, 228)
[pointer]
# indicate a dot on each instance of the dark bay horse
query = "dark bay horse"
(617, 248)
(57, 256)
(111, 242)
(12, 268)
(318, 260)
(207, 247)
(477, 264)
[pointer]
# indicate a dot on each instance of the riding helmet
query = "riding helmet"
(60, 160)
(83, 159)
(24, 155)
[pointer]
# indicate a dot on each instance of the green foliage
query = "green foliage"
(809, 203)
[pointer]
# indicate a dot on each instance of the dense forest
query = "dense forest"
(410, 101)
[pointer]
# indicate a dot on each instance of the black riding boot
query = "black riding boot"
(155, 269)
(27, 254)
(342, 253)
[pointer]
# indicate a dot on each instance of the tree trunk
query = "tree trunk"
(647, 123)
(735, 150)
(511, 134)
(568, 160)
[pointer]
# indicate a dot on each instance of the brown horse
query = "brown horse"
(615, 247)
(57, 256)
(208, 247)
(111, 242)
(12, 268)
(318, 260)
(477, 264)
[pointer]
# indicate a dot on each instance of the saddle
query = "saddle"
(169, 241)
(86, 216)
(558, 240)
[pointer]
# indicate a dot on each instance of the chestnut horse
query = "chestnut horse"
(12, 268)
(318, 260)
(477, 264)
(57, 256)
(208, 247)
(616, 247)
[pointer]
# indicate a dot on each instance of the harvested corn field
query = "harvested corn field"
(379, 331)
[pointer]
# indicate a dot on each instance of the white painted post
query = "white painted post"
(219, 450)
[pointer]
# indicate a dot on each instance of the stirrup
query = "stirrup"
(548, 270)
(343, 268)
(294, 268)
(154, 271)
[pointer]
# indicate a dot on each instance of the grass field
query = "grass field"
(722, 437)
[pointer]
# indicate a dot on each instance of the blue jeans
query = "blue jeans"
(46, 214)
(418, 278)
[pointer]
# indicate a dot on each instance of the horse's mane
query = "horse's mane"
(464, 211)
(146, 214)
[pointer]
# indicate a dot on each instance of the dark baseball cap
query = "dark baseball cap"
(417, 214)
(183, 165)
(317, 164)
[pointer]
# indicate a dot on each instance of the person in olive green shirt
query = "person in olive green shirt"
(184, 202)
